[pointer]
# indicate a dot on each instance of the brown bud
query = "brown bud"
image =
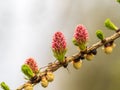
(77, 65)
(44, 82)
(113, 45)
(108, 49)
(89, 57)
(28, 86)
(50, 76)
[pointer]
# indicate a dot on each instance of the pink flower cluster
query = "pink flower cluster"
(32, 64)
(58, 43)
(81, 34)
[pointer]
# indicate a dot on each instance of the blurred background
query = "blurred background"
(26, 30)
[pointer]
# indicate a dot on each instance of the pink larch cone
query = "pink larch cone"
(59, 46)
(80, 37)
(32, 64)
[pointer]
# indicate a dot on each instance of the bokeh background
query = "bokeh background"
(26, 30)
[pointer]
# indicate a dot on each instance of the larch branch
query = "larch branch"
(56, 65)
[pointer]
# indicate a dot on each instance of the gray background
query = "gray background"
(26, 30)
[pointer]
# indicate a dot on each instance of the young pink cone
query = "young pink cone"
(80, 37)
(59, 46)
(32, 64)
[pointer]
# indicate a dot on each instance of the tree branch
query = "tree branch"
(56, 65)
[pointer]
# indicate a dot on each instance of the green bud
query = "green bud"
(99, 34)
(27, 71)
(4, 86)
(110, 25)
(118, 1)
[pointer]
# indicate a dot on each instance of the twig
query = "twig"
(56, 65)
